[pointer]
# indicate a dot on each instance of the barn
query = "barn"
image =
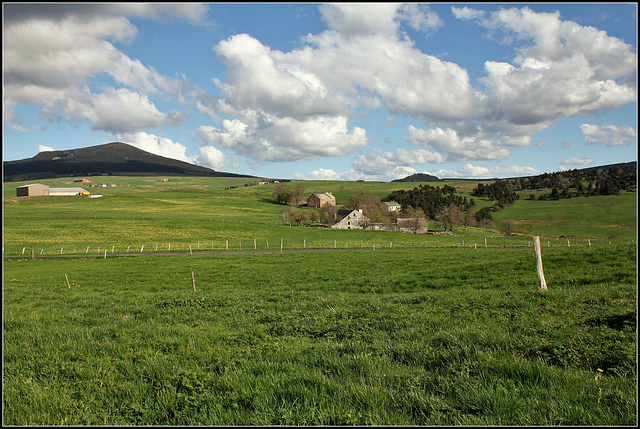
(33, 190)
(318, 200)
(67, 191)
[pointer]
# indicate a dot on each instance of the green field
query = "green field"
(423, 330)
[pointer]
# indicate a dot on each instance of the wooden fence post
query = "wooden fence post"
(193, 281)
(542, 283)
(67, 279)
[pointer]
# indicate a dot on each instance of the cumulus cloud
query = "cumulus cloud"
(562, 70)
(212, 157)
(116, 111)
(55, 71)
(270, 138)
(157, 145)
(608, 135)
(454, 146)
(43, 148)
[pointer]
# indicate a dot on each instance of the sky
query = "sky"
(313, 91)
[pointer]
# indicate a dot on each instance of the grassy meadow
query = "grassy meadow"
(423, 330)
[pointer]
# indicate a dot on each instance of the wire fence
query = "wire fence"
(282, 244)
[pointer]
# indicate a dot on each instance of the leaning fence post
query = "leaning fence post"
(542, 283)
(193, 281)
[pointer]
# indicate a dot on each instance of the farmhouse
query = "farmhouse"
(33, 190)
(392, 206)
(318, 200)
(353, 220)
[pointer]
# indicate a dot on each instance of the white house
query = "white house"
(392, 206)
(354, 220)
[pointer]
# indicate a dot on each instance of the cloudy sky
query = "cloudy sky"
(318, 91)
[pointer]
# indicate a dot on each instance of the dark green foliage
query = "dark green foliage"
(431, 200)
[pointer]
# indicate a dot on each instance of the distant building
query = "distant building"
(321, 200)
(33, 190)
(81, 180)
(392, 206)
(67, 191)
(353, 220)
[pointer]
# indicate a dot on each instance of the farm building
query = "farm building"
(318, 200)
(392, 206)
(353, 220)
(67, 191)
(415, 225)
(33, 190)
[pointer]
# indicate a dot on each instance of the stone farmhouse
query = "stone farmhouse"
(353, 219)
(318, 200)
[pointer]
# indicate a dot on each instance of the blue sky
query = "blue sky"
(328, 91)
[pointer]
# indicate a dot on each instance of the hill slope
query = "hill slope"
(110, 158)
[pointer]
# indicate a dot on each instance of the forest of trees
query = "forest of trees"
(438, 204)
(566, 184)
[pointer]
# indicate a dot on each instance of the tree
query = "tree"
(297, 194)
(508, 227)
(483, 216)
(294, 216)
(450, 216)
(415, 215)
(281, 194)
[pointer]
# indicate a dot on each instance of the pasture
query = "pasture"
(423, 330)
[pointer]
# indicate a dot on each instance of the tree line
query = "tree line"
(565, 184)
(440, 205)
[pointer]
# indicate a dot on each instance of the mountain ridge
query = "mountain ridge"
(105, 159)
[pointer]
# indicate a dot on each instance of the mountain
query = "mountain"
(419, 177)
(111, 158)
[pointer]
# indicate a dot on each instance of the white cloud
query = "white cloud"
(455, 147)
(55, 71)
(212, 157)
(43, 148)
(562, 70)
(157, 145)
(357, 19)
(608, 135)
(270, 138)
(116, 111)
(480, 172)
(583, 160)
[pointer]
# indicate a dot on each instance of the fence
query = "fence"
(282, 244)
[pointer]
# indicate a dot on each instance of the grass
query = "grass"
(426, 330)
(447, 336)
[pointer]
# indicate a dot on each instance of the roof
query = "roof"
(410, 222)
(67, 190)
(32, 184)
(324, 196)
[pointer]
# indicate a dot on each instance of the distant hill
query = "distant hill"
(419, 177)
(111, 158)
